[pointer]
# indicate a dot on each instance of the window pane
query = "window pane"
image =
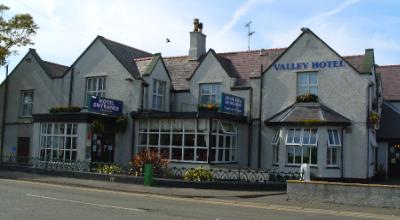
(297, 134)
(302, 90)
(164, 153)
(290, 154)
(202, 125)
(165, 126)
(188, 154)
(297, 153)
(336, 137)
(227, 155)
(205, 99)
(314, 155)
(328, 156)
(154, 125)
(177, 139)
(205, 89)
(313, 90)
(165, 139)
(153, 139)
(189, 125)
(201, 140)
(290, 135)
(302, 79)
(189, 140)
(143, 125)
(334, 156)
(313, 78)
(177, 125)
(220, 155)
(176, 154)
(143, 139)
(306, 154)
(306, 136)
(313, 136)
(201, 154)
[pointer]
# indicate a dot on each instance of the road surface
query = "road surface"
(38, 201)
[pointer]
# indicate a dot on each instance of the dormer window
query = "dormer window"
(158, 95)
(307, 83)
(209, 93)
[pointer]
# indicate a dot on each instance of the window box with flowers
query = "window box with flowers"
(208, 107)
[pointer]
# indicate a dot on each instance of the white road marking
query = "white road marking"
(209, 201)
(85, 203)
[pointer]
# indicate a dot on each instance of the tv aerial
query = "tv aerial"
(249, 33)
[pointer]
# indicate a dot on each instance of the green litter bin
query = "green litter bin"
(148, 174)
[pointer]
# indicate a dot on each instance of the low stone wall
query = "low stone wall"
(344, 193)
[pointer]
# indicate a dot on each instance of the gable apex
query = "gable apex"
(305, 31)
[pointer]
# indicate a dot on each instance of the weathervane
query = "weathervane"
(249, 33)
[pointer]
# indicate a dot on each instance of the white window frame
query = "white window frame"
(179, 127)
(159, 91)
(275, 147)
(292, 146)
(26, 107)
(308, 85)
(334, 146)
(223, 150)
(95, 86)
(53, 144)
(215, 91)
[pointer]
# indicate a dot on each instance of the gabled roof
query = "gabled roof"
(307, 30)
(390, 76)
(123, 53)
(53, 70)
(146, 65)
(307, 113)
(245, 65)
(389, 126)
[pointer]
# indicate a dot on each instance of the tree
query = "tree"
(15, 31)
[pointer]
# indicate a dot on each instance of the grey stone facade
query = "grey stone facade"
(130, 75)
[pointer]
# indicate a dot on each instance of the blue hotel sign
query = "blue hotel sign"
(105, 106)
(232, 104)
(309, 65)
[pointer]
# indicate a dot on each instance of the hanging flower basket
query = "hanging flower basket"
(120, 124)
(208, 107)
(373, 119)
(97, 126)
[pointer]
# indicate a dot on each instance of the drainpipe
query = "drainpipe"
(368, 127)
(250, 141)
(341, 157)
(259, 117)
(3, 122)
(71, 87)
(133, 136)
(142, 97)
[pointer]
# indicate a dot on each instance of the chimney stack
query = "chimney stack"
(197, 41)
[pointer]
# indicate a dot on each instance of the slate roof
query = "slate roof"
(56, 70)
(390, 76)
(307, 113)
(125, 54)
(244, 65)
(389, 126)
(53, 70)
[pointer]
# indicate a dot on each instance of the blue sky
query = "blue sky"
(349, 26)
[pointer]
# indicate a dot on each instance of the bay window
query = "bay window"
(275, 147)
(187, 140)
(301, 146)
(333, 147)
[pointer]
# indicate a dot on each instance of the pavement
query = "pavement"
(273, 200)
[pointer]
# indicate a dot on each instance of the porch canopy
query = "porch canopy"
(307, 113)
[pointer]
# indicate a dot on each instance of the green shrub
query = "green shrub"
(109, 169)
(198, 174)
(307, 98)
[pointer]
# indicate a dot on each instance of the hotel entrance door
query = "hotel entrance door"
(394, 160)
